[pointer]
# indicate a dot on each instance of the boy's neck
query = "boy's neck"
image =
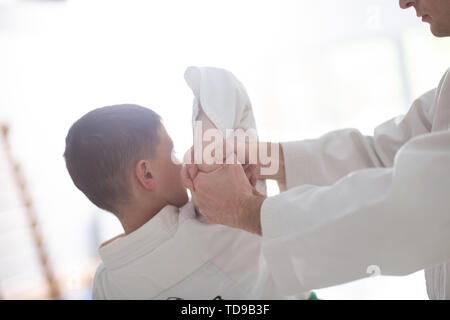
(132, 218)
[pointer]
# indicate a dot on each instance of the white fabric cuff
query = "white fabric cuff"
(297, 164)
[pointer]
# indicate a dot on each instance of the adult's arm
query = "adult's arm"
(392, 216)
(396, 220)
(324, 160)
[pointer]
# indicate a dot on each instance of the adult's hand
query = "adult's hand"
(225, 196)
(190, 169)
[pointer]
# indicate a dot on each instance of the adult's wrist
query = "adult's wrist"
(250, 213)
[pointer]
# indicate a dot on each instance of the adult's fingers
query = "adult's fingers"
(251, 173)
(186, 179)
(192, 169)
(256, 192)
(188, 157)
(221, 154)
(248, 171)
(253, 179)
(188, 160)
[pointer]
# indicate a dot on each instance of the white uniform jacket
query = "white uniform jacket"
(357, 204)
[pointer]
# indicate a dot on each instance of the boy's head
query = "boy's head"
(121, 157)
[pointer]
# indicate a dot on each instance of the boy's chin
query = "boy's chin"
(182, 200)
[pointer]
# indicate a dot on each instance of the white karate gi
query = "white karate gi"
(177, 254)
(358, 203)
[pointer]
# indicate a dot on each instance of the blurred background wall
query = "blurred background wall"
(309, 67)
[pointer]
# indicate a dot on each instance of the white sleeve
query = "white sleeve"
(396, 220)
(325, 160)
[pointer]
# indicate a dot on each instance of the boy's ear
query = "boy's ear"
(144, 174)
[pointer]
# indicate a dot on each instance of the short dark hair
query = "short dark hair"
(103, 147)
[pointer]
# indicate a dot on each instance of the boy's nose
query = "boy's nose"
(405, 4)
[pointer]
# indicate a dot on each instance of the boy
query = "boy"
(120, 157)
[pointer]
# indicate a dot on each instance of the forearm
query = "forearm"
(391, 218)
